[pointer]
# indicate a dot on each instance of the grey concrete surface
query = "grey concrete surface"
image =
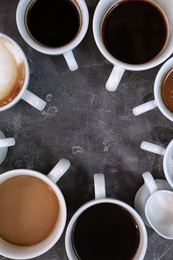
(83, 122)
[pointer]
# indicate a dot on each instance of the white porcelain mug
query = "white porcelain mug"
(14, 68)
(120, 67)
(100, 243)
(158, 208)
(65, 50)
(4, 144)
(158, 101)
(167, 154)
(26, 252)
(145, 191)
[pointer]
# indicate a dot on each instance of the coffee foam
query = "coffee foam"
(12, 71)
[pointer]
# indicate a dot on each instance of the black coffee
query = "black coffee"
(134, 31)
(53, 23)
(105, 232)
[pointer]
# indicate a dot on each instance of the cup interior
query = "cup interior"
(160, 214)
(19, 55)
(20, 19)
(142, 230)
(27, 252)
(166, 51)
(157, 89)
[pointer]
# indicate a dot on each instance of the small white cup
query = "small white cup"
(24, 93)
(158, 208)
(17, 252)
(167, 154)
(119, 67)
(158, 101)
(144, 193)
(66, 50)
(100, 198)
(4, 144)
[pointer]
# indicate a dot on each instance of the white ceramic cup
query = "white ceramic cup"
(24, 93)
(158, 101)
(158, 208)
(167, 154)
(144, 193)
(4, 144)
(66, 50)
(17, 252)
(120, 67)
(100, 197)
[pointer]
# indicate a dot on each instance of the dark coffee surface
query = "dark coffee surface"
(53, 23)
(134, 31)
(167, 89)
(83, 122)
(105, 231)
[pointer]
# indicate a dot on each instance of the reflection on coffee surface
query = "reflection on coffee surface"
(134, 31)
(167, 89)
(12, 71)
(29, 210)
(53, 23)
(105, 231)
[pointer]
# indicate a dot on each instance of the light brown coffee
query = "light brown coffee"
(167, 89)
(12, 71)
(29, 210)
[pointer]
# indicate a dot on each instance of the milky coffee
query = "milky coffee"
(29, 210)
(12, 71)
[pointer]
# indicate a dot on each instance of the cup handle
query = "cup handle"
(33, 100)
(70, 59)
(150, 182)
(58, 170)
(6, 142)
(99, 186)
(153, 148)
(114, 78)
(144, 107)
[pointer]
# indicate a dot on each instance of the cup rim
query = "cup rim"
(20, 14)
(146, 211)
(17, 252)
(157, 87)
(166, 163)
(25, 85)
(143, 239)
(166, 51)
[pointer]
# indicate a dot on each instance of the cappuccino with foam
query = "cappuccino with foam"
(12, 71)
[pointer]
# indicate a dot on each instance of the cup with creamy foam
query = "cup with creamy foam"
(33, 211)
(14, 79)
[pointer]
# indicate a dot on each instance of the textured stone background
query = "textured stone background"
(88, 125)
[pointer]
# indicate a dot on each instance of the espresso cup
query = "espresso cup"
(158, 208)
(14, 79)
(118, 35)
(167, 154)
(145, 192)
(53, 27)
(105, 228)
(33, 211)
(4, 144)
(163, 86)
